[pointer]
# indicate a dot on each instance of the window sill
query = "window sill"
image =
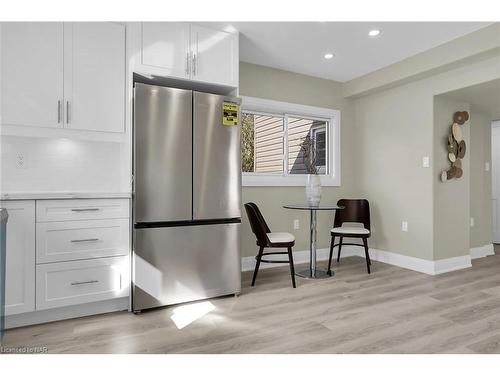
(250, 179)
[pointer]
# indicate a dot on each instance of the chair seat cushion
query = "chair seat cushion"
(280, 237)
(350, 230)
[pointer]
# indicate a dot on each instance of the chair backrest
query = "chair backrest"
(354, 211)
(257, 223)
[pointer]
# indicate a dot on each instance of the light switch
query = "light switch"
(426, 162)
(487, 166)
(471, 221)
(404, 226)
(296, 224)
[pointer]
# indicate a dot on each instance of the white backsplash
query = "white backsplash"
(63, 165)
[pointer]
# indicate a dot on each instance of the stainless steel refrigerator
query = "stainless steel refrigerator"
(186, 197)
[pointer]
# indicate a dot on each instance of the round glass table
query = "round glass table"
(312, 272)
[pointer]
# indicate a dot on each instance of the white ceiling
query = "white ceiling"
(300, 46)
(484, 97)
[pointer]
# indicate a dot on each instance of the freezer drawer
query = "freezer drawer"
(162, 153)
(216, 163)
(180, 264)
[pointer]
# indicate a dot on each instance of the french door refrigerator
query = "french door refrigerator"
(186, 197)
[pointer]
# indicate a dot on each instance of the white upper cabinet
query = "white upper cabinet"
(215, 56)
(165, 48)
(66, 75)
(190, 52)
(31, 74)
(20, 270)
(94, 85)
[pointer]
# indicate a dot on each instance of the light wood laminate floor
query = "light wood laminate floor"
(393, 310)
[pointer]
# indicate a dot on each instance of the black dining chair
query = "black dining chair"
(266, 238)
(354, 211)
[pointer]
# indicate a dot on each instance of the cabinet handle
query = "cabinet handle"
(194, 64)
(86, 240)
(187, 64)
(58, 111)
(84, 209)
(84, 282)
(67, 112)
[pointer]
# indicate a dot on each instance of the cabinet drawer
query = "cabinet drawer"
(84, 281)
(73, 240)
(81, 209)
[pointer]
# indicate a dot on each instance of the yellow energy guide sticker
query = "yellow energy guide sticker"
(230, 114)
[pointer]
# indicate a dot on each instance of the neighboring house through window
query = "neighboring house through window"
(282, 142)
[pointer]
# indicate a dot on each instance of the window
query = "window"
(283, 142)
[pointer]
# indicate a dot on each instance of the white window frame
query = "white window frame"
(314, 132)
(283, 109)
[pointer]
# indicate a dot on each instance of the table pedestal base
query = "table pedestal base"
(320, 273)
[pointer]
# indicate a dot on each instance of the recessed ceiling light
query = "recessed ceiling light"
(328, 56)
(374, 32)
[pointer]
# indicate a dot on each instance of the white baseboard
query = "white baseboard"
(482, 251)
(451, 264)
(430, 267)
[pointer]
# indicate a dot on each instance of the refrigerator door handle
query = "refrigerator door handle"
(195, 62)
(58, 111)
(67, 112)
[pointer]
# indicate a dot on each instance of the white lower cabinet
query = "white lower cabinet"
(71, 283)
(20, 260)
(65, 252)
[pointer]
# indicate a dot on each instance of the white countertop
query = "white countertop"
(63, 195)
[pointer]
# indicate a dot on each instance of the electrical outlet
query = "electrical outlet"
(296, 224)
(426, 163)
(487, 166)
(404, 226)
(471, 221)
(20, 161)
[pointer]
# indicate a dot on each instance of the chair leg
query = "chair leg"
(292, 268)
(256, 271)
(340, 248)
(332, 243)
(367, 255)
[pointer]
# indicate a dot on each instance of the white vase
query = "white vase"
(313, 189)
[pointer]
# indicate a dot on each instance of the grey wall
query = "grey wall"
(393, 131)
(268, 83)
(480, 179)
(451, 198)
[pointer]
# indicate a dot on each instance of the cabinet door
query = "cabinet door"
(20, 263)
(32, 73)
(94, 82)
(165, 48)
(215, 56)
